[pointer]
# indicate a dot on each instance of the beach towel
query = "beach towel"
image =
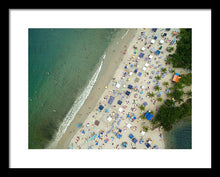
(130, 86)
(127, 93)
(134, 140)
(111, 99)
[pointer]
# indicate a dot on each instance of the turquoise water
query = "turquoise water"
(181, 135)
(61, 62)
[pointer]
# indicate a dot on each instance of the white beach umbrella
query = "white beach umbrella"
(150, 56)
(143, 48)
(144, 68)
(152, 41)
(120, 109)
(161, 41)
(129, 125)
(146, 64)
(118, 85)
(142, 132)
(109, 118)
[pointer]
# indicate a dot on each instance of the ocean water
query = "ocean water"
(180, 137)
(63, 67)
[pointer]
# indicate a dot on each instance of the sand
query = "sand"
(114, 127)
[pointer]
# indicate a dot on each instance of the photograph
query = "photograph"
(110, 88)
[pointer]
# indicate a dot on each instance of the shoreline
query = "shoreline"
(114, 54)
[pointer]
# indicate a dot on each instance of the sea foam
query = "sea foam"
(77, 105)
(125, 34)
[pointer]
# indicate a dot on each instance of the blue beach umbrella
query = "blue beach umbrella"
(157, 52)
(79, 125)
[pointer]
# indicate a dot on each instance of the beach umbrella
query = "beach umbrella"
(150, 56)
(146, 64)
(131, 136)
(139, 74)
(152, 50)
(143, 48)
(164, 34)
(157, 52)
(152, 41)
(79, 125)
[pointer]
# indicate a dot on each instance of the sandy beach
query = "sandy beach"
(127, 77)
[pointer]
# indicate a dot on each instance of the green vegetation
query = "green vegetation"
(156, 88)
(169, 114)
(142, 108)
(166, 83)
(189, 93)
(160, 99)
(177, 95)
(151, 94)
(164, 70)
(145, 129)
(170, 49)
(183, 54)
(158, 77)
(186, 79)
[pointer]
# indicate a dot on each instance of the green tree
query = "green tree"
(151, 94)
(189, 93)
(186, 79)
(159, 99)
(183, 54)
(145, 128)
(169, 115)
(177, 95)
(166, 83)
(164, 70)
(178, 85)
(170, 49)
(156, 88)
(158, 77)
(142, 108)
